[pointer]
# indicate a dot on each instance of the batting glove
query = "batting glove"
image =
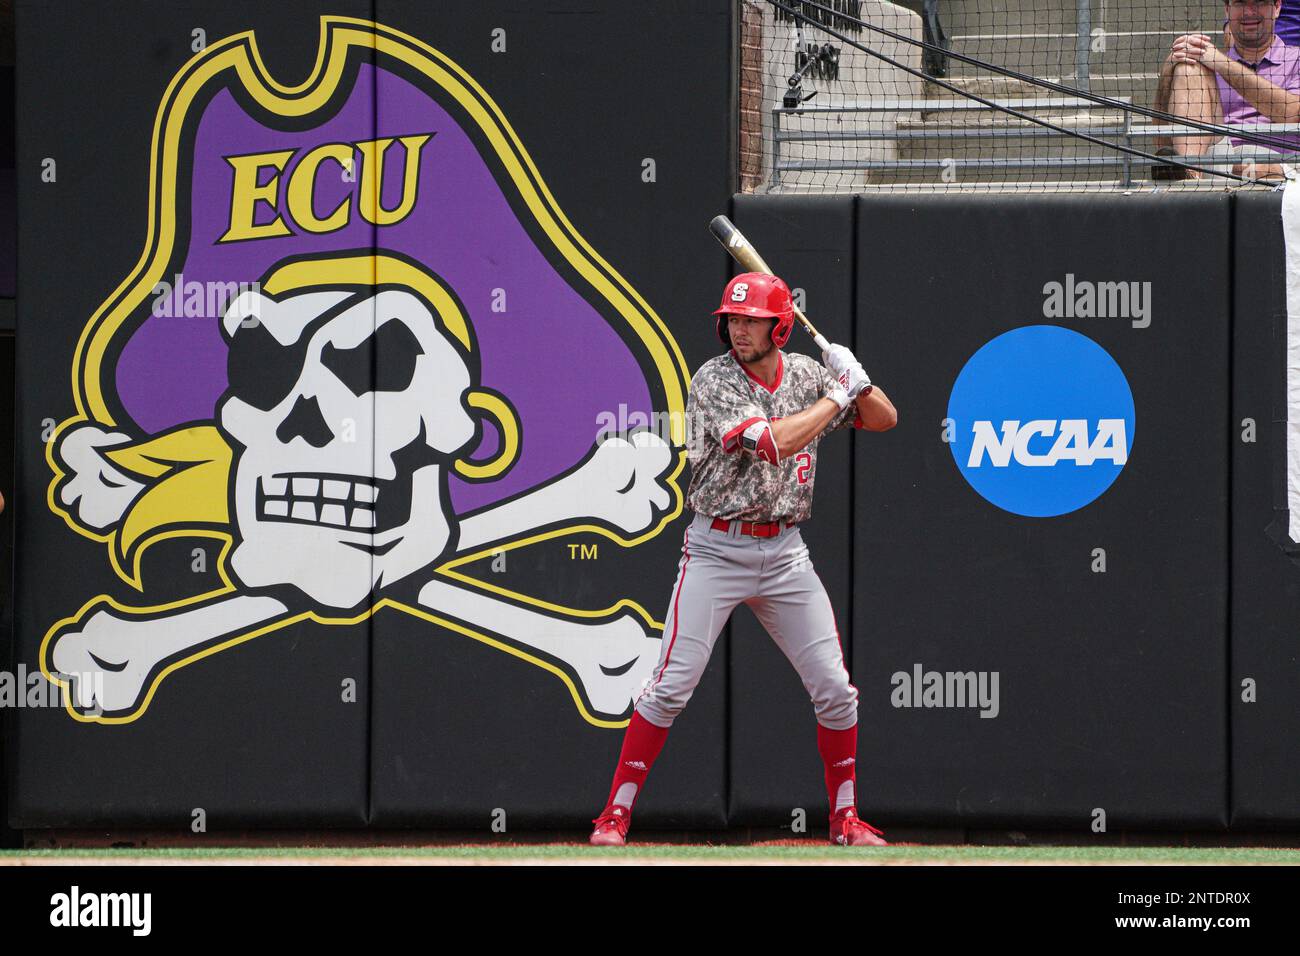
(838, 394)
(837, 360)
(855, 381)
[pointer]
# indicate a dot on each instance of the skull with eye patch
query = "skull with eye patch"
(347, 410)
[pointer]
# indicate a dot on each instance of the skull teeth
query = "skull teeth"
(330, 502)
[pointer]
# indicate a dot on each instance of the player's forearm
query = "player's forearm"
(793, 433)
(876, 411)
(1279, 105)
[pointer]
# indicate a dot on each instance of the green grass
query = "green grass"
(792, 854)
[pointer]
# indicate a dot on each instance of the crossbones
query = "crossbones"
(339, 491)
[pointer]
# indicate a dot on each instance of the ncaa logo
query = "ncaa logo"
(1042, 421)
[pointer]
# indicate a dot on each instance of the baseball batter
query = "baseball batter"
(754, 418)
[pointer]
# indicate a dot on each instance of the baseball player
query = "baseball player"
(754, 417)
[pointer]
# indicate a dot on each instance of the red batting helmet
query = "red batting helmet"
(760, 295)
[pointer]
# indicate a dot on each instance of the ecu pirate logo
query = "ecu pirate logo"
(403, 376)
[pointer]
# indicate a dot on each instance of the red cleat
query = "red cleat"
(611, 826)
(848, 830)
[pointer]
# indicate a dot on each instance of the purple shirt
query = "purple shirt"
(1280, 66)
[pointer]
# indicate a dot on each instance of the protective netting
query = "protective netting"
(862, 95)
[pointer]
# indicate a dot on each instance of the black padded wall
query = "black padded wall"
(522, 300)
(259, 732)
(775, 768)
(1264, 702)
(8, 837)
(1110, 694)
(553, 267)
(510, 725)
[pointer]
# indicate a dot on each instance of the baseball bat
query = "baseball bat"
(725, 231)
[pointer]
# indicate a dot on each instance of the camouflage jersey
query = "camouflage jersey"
(732, 479)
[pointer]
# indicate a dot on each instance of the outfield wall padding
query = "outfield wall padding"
(521, 300)
(1110, 683)
(1261, 692)
(258, 734)
(525, 328)
(775, 769)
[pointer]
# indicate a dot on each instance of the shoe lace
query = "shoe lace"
(850, 818)
(607, 820)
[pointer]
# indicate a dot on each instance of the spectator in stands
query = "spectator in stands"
(1256, 81)
(1287, 27)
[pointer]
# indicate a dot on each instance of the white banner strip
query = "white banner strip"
(1291, 234)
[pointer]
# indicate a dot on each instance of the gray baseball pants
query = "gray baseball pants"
(775, 577)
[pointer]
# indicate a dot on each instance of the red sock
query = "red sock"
(642, 742)
(839, 750)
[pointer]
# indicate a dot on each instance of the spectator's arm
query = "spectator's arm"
(1279, 105)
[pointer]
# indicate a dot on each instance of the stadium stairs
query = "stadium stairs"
(1038, 37)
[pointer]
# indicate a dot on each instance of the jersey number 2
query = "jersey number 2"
(805, 465)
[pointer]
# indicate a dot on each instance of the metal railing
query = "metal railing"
(1123, 131)
(1083, 45)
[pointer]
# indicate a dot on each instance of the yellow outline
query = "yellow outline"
(448, 569)
(508, 425)
(426, 615)
(371, 269)
(107, 600)
(338, 35)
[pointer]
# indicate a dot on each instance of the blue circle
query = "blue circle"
(1049, 417)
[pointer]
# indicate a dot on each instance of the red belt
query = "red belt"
(753, 528)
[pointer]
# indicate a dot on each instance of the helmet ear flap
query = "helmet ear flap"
(781, 331)
(723, 334)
